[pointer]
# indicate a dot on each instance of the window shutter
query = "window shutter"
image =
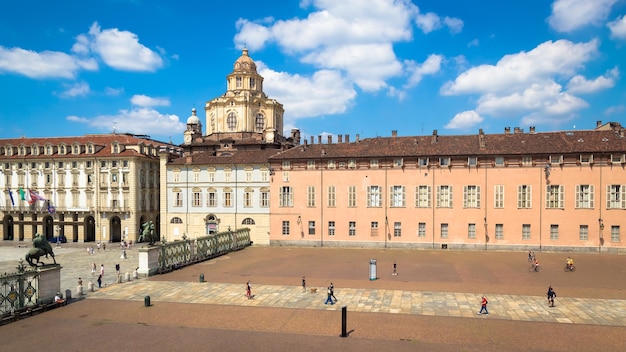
(622, 196)
(403, 196)
(429, 196)
(438, 196)
(450, 196)
(577, 202)
(591, 196)
(608, 196)
(561, 197)
(464, 196)
(477, 196)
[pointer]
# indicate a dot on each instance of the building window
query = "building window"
(397, 229)
(310, 196)
(211, 175)
(374, 228)
(618, 158)
(286, 197)
(264, 176)
(247, 199)
(499, 231)
(285, 228)
(351, 196)
(197, 199)
(471, 196)
(259, 122)
(399, 162)
(352, 164)
(586, 158)
(554, 232)
(285, 176)
(311, 227)
(178, 199)
(556, 159)
(196, 175)
(211, 200)
(526, 231)
(374, 198)
(331, 228)
(422, 196)
(176, 220)
(310, 164)
(472, 161)
(374, 163)
(471, 230)
(238, 82)
(398, 197)
(583, 233)
(231, 121)
(444, 196)
(286, 165)
(524, 196)
(616, 196)
(253, 84)
(527, 161)
(422, 162)
(331, 164)
(421, 229)
(498, 196)
(228, 197)
(444, 231)
(265, 198)
(444, 161)
(331, 197)
(352, 228)
(248, 221)
(227, 174)
(554, 197)
(584, 196)
(615, 237)
(499, 161)
(176, 176)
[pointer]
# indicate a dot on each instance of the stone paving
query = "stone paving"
(77, 263)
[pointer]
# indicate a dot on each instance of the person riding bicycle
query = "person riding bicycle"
(569, 262)
(536, 264)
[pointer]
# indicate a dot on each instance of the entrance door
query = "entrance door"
(90, 229)
(48, 227)
(115, 231)
(7, 228)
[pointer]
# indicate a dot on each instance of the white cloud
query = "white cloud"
(326, 92)
(618, 28)
(613, 110)
(119, 49)
(113, 91)
(75, 90)
(353, 36)
(146, 101)
(39, 65)
(579, 84)
(135, 120)
(569, 15)
(431, 66)
(474, 42)
(464, 120)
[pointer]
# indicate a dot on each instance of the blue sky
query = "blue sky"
(339, 67)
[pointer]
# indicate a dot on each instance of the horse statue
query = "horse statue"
(147, 234)
(40, 248)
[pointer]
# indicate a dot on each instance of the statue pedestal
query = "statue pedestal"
(148, 260)
(49, 282)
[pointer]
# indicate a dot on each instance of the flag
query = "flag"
(11, 195)
(34, 196)
(51, 208)
(22, 193)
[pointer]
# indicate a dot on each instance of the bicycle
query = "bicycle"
(569, 268)
(535, 268)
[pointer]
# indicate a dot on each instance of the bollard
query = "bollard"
(127, 276)
(135, 274)
(68, 295)
(146, 301)
(344, 321)
(90, 286)
(79, 290)
(119, 279)
(201, 277)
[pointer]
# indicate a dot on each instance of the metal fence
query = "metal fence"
(19, 289)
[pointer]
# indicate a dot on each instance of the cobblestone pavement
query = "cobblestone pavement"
(431, 304)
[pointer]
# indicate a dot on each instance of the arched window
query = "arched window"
(247, 221)
(231, 121)
(176, 220)
(259, 122)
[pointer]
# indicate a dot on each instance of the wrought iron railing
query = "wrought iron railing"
(18, 290)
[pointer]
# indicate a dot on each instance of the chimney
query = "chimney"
(339, 138)
(347, 138)
(507, 130)
(394, 133)
(295, 135)
(323, 151)
(330, 139)
(517, 130)
(319, 139)
(312, 140)
(358, 137)
(189, 159)
(481, 138)
(598, 123)
(532, 129)
(434, 140)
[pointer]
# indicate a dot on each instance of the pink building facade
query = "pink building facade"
(512, 191)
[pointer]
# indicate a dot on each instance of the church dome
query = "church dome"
(193, 119)
(244, 63)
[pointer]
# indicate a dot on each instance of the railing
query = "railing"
(18, 290)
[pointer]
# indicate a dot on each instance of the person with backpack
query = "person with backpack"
(551, 296)
(483, 306)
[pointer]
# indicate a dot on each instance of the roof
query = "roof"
(587, 141)
(238, 157)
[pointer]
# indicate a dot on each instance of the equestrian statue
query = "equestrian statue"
(40, 248)
(147, 234)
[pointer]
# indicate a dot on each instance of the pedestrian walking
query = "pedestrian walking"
(248, 290)
(530, 256)
(332, 291)
(101, 269)
(98, 246)
(483, 306)
(551, 296)
(104, 247)
(93, 269)
(117, 268)
(329, 295)
(99, 281)
(394, 268)
(80, 281)
(303, 284)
